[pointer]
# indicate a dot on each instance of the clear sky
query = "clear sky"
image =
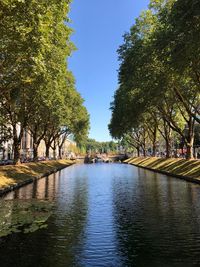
(98, 29)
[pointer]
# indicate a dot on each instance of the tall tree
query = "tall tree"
(36, 88)
(150, 80)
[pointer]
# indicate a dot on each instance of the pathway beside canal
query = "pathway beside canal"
(14, 176)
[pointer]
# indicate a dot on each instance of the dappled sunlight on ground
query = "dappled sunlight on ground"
(11, 175)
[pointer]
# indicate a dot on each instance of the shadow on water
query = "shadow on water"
(55, 245)
(158, 220)
(111, 215)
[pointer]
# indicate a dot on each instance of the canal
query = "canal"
(101, 215)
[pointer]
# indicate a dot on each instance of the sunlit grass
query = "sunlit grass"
(5, 181)
(11, 175)
(182, 167)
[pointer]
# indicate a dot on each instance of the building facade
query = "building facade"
(6, 148)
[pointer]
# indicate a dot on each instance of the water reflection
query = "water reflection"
(21, 216)
(58, 244)
(28, 208)
(45, 188)
(105, 215)
(159, 226)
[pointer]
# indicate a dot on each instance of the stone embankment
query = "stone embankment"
(185, 169)
(12, 177)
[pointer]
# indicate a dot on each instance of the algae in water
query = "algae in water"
(23, 216)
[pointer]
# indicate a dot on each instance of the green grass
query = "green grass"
(181, 167)
(12, 175)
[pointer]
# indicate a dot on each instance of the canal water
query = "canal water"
(110, 215)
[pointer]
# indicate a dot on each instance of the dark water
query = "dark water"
(105, 215)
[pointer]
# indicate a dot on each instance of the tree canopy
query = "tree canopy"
(37, 90)
(159, 76)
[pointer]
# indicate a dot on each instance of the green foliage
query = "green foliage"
(159, 73)
(36, 88)
(93, 146)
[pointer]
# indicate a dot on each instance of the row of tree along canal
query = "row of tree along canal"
(157, 104)
(37, 90)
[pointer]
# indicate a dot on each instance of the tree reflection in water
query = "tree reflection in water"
(104, 215)
(62, 198)
(156, 220)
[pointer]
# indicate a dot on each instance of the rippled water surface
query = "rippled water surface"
(103, 215)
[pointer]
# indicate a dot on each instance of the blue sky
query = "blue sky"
(98, 29)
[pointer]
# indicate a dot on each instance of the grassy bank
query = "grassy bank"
(187, 169)
(11, 175)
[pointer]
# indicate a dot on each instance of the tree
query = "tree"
(150, 83)
(37, 90)
(19, 53)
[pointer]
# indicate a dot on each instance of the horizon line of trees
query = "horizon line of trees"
(92, 146)
(37, 90)
(159, 78)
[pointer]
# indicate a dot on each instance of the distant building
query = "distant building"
(6, 149)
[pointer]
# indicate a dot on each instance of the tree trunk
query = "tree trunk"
(189, 152)
(60, 145)
(154, 149)
(168, 141)
(168, 147)
(37, 137)
(60, 152)
(35, 151)
(142, 142)
(47, 152)
(190, 139)
(16, 146)
(36, 142)
(138, 151)
(144, 147)
(189, 146)
(48, 142)
(54, 149)
(144, 150)
(4, 151)
(54, 153)
(154, 141)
